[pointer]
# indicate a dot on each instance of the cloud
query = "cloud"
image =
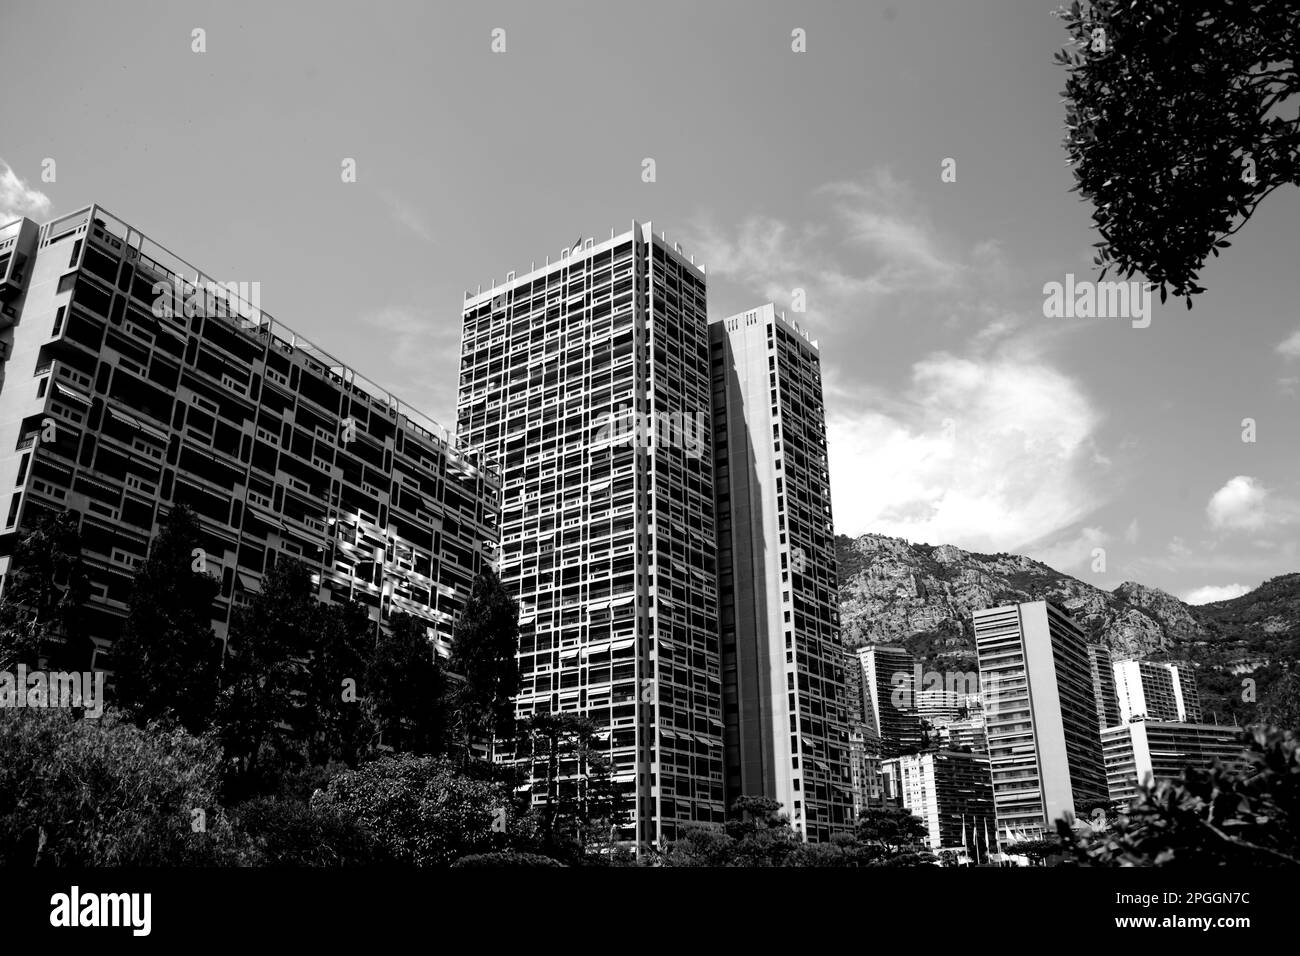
(1243, 504)
(1215, 592)
(1132, 532)
(18, 200)
(983, 441)
(880, 214)
(416, 340)
(874, 241)
(1290, 347)
(1072, 552)
(988, 454)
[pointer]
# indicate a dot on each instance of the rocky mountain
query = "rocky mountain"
(923, 595)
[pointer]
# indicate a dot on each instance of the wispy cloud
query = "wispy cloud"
(1290, 346)
(986, 444)
(18, 200)
(406, 214)
(1074, 552)
(416, 344)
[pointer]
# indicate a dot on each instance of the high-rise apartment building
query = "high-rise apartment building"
(784, 695)
(1041, 716)
(586, 382)
(1103, 685)
(949, 791)
(1156, 690)
(1147, 751)
(134, 382)
(889, 698)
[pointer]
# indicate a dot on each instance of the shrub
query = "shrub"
(287, 832)
(77, 792)
(423, 812)
(505, 858)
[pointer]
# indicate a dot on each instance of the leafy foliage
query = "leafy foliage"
(483, 650)
(407, 689)
(166, 659)
(757, 833)
(41, 611)
(287, 832)
(266, 677)
(1216, 817)
(423, 812)
(335, 718)
(566, 752)
(1175, 125)
(107, 793)
(504, 858)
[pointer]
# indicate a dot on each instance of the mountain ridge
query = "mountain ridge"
(922, 596)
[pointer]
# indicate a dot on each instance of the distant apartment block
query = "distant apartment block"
(1156, 690)
(117, 410)
(1147, 751)
(889, 698)
(966, 733)
(1103, 685)
(586, 382)
(864, 745)
(936, 707)
(1041, 716)
(783, 669)
(949, 791)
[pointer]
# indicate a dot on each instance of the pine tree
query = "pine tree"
(266, 677)
(484, 645)
(166, 659)
(338, 721)
(406, 688)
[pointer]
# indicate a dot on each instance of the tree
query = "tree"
(1247, 816)
(423, 812)
(893, 829)
(1175, 128)
(339, 712)
(542, 739)
(45, 591)
(105, 792)
(502, 858)
(166, 659)
(756, 833)
(1036, 850)
(406, 687)
(287, 832)
(484, 645)
(266, 676)
(567, 753)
